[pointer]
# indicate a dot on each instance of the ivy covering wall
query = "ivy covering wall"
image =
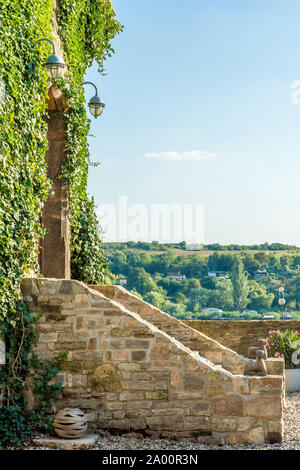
(86, 28)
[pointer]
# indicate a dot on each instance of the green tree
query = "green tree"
(259, 298)
(240, 284)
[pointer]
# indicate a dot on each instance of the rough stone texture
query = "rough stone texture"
(84, 443)
(240, 335)
(189, 337)
(54, 258)
(129, 375)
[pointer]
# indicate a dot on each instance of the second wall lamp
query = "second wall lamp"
(95, 104)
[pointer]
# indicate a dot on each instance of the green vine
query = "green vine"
(86, 28)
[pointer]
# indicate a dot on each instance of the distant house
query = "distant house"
(216, 273)
(122, 281)
(212, 310)
(260, 275)
(194, 247)
(176, 275)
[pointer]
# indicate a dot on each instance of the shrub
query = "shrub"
(283, 344)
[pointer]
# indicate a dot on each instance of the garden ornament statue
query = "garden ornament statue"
(258, 366)
(70, 423)
(261, 347)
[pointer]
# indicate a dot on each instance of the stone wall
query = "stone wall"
(129, 375)
(207, 345)
(239, 335)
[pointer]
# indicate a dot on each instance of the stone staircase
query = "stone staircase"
(132, 367)
(205, 346)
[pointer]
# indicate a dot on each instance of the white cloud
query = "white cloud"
(193, 155)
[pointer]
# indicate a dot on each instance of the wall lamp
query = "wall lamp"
(95, 104)
(54, 64)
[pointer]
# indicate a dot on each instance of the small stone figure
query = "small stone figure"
(257, 367)
(261, 346)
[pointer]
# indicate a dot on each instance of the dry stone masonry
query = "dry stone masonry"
(240, 335)
(133, 368)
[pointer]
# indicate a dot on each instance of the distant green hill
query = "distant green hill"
(183, 282)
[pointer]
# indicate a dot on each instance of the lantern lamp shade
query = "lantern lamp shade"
(281, 301)
(281, 289)
(54, 66)
(96, 106)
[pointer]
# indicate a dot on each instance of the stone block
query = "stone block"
(241, 385)
(191, 363)
(130, 367)
(136, 344)
(200, 409)
(156, 395)
(269, 383)
(255, 436)
(48, 337)
(131, 396)
(86, 442)
(216, 357)
(159, 351)
(244, 424)
(143, 333)
(120, 356)
(264, 407)
(138, 355)
(228, 405)
(141, 385)
(167, 411)
(111, 343)
(70, 346)
(82, 301)
(138, 423)
(175, 378)
(213, 376)
(220, 424)
(164, 422)
(88, 356)
(120, 424)
(112, 313)
(196, 423)
(120, 332)
(217, 388)
(114, 406)
(193, 381)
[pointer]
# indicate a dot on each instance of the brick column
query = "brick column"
(55, 253)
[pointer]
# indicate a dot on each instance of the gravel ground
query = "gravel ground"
(291, 439)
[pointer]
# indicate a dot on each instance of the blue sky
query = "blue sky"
(213, 77)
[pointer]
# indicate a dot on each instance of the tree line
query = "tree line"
(183, 285)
